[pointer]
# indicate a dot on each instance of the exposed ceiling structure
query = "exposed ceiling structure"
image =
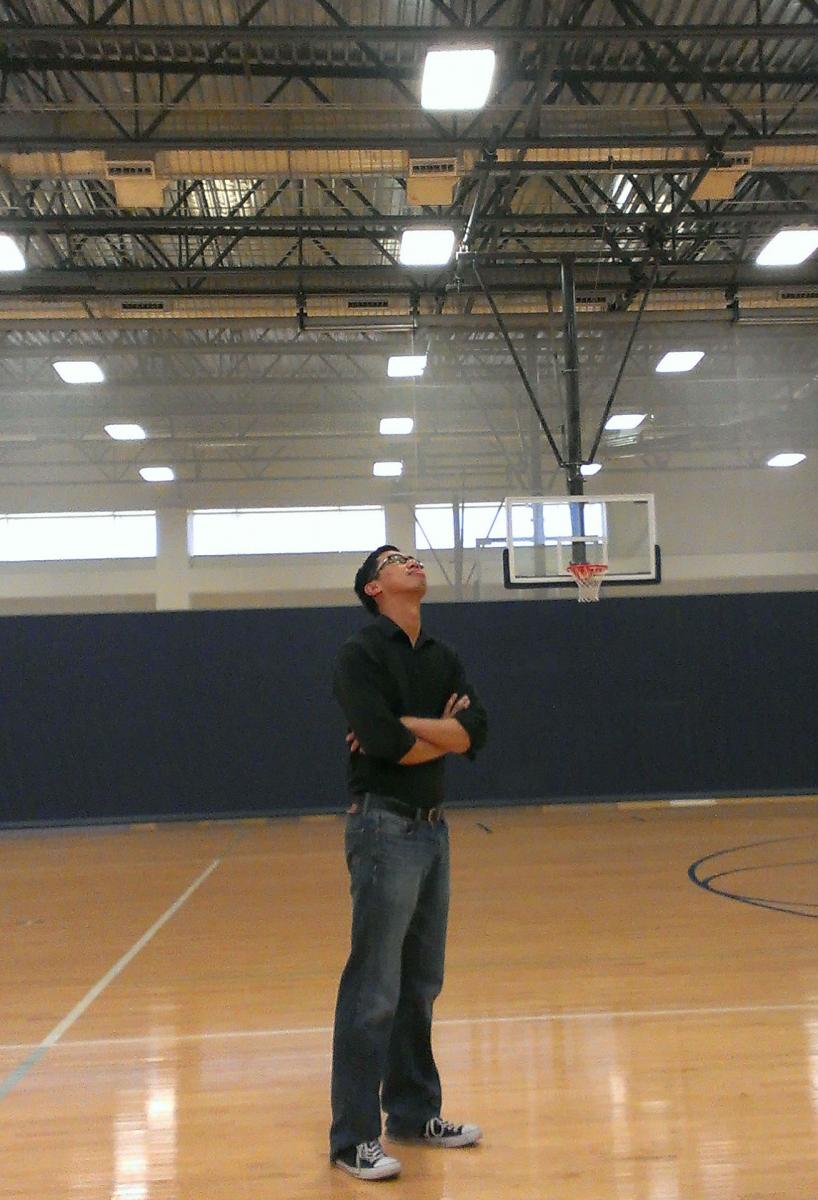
(210, 197)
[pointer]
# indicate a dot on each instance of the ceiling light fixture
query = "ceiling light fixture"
(456, 80)
(588, 469)
(396, 425)
(126, 433)
(785, 460)
(405, 366)
(625, 421)
(387, 469)
(426, 247)
(11, 256)
(788, 248)
(157, 474)
(679, 360)
(75, 371)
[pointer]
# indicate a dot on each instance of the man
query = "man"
(408, 705)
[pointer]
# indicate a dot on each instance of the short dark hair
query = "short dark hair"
(364, 574)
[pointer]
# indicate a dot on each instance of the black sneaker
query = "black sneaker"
(437, 1132)
(367, 1161)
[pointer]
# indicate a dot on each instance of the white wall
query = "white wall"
(739, 529)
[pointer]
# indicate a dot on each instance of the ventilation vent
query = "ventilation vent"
(377, 302)
(733, 160)
(802, 294)
(426, 167)
(136, 169)
(143, 306)
(432, 180)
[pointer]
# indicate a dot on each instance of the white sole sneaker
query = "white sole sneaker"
(469, 1135)
(387, 1168)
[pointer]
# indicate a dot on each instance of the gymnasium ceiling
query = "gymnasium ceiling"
(210, 198)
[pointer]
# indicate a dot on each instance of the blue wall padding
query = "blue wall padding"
(118, 716)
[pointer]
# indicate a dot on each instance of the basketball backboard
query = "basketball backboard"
(546, 533)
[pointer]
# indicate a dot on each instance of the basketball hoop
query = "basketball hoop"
(588, 578)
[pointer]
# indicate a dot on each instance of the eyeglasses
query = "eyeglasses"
(395, 558)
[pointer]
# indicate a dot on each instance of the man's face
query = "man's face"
(397, 574)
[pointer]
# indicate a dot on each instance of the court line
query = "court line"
(528, 1018)
(706, 801)
(41, 1048)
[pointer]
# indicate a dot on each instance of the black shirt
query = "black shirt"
(379, 678)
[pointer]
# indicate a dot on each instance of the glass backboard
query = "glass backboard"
(546, 533)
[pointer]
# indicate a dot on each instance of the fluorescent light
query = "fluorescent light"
(11, 256)
(625, 421)
(405, 366)
(79, 372)
(679, 360)
(387, 468)
(126, 433)
(785, 460)
(788, 247)
(157, 474)
(456, 80)
(426, 247)
(397, 424)
(588, 469)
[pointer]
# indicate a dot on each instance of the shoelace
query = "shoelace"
(372, 1152)
(440, 1128)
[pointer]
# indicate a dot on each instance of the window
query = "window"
(285, 530)
(434, 525)
(556, 521)
(485, 524)
(53, 537)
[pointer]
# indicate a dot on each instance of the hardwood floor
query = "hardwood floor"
(166, 998)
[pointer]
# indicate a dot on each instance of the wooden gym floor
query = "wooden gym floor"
(166, 996)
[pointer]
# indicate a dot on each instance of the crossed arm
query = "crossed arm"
(434, 736)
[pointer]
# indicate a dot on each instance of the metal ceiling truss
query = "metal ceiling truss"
(22, 35)
(586, 94)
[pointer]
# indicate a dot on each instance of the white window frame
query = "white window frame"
(58, 536)
(224, 537)
(495, 529)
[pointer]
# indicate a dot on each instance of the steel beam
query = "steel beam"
(349, 225)
(420, 142)
(19, 34)
(516, 277)
(573, 77)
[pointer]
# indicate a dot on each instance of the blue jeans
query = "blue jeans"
(382, 1048)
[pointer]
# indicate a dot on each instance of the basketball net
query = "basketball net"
(588, 578)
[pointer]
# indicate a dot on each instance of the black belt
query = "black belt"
(390, 804)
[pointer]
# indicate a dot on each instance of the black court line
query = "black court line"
(706, 882)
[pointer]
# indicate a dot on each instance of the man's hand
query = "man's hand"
(354, 744)
(455, 704)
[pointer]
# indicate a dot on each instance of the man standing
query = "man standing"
(408, 705)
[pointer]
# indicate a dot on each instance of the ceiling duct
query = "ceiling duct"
(135, 183)
(432, 180)
(257, 164)
(368, 303)
(789, 295)
(589, 300)
(721, 181)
